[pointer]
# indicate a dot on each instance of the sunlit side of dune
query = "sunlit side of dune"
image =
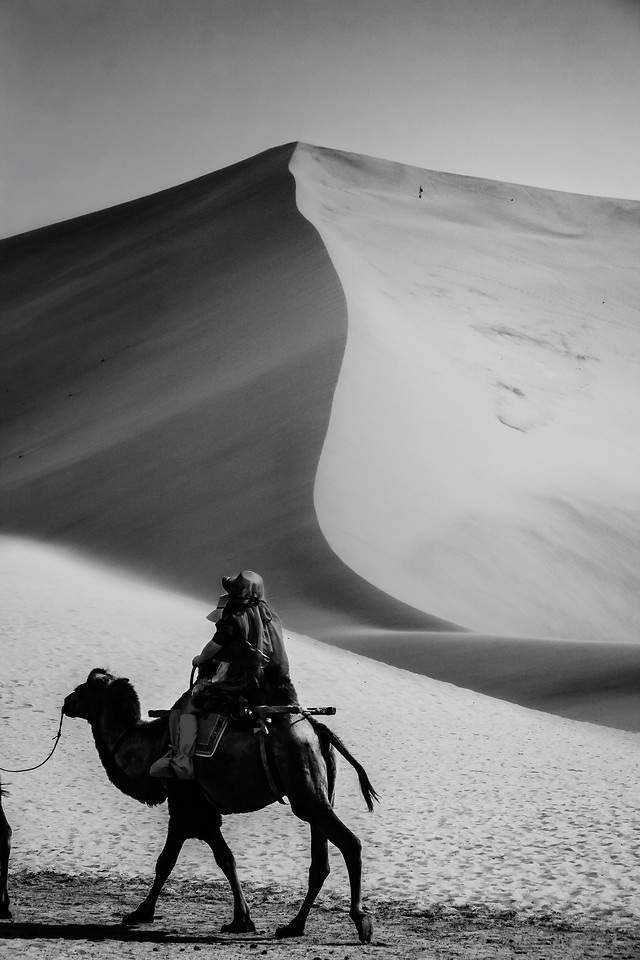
(483, 455)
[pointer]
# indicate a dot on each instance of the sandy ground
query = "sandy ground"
(67, 917)
(482, 801)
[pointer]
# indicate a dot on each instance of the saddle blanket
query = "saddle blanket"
(211, 727)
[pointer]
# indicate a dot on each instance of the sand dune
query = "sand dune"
(584, 680)
(481, 801)
(407, 413)
(482, 457)
(170, 367)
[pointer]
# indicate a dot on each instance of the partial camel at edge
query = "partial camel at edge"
(301, 754)
(5, 851)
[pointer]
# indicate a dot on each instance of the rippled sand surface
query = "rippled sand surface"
(481, 801)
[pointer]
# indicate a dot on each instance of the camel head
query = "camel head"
(102, 692)
(127, 745)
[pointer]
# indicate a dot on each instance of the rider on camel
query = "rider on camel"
(245, 653)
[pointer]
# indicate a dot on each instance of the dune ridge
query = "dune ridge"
(192, 388)
(170, 366)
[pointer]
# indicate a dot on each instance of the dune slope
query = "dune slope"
(483, 455)
(443, 428)
(169, 368)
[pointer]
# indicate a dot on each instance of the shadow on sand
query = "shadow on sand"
(105, 931)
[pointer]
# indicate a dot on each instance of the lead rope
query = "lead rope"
(57, 740)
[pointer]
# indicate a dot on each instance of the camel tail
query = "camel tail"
(327, 736)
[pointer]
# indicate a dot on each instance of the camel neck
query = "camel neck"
(127, 754)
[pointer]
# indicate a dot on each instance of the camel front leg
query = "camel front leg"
(319, 870)
(242, 922)
(164, 865)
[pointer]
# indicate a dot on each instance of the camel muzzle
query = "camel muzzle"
(70, 707)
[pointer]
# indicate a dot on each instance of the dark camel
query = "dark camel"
(5, 850)
(302, 760)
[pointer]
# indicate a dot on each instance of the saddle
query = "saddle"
(208, 697)
(211, 728)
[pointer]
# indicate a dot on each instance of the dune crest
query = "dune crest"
(170, 366)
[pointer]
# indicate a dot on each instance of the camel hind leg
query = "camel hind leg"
(320, 867)
(327, 826)
(351, 849)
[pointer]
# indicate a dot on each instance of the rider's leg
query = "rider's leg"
(181, 763)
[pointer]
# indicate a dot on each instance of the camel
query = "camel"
(301, 760)
(5, 850)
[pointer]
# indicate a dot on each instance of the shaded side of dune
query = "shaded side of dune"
(598, 682)
(169, 366)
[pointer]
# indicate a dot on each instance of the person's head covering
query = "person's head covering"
(246, 588)
(216, 614)
(247, 585)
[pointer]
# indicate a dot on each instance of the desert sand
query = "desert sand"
(481, 801)
(417, 415)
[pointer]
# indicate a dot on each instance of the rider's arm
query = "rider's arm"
(208, 651)
(222, 635)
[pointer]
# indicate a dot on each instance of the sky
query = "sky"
(102, 101)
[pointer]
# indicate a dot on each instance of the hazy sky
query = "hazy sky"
(105, 100)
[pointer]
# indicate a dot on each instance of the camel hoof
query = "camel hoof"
(364, 927)
(290, 930)
(133, 919)
(239, 926)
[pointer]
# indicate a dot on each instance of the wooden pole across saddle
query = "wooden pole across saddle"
(292, 708)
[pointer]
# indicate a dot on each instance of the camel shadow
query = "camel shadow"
(104, 931)
(100, 932)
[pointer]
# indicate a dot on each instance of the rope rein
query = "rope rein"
(28, 769)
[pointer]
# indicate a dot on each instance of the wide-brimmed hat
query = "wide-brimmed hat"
(244, 586)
